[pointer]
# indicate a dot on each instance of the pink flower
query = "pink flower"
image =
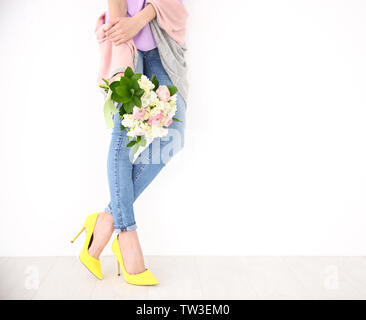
(168, 122)
(140, 132)
(139, 113)
(163, 93)
(155, 119)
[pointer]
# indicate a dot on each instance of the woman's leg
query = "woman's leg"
(127, 238)
(151, 161)
(120, 179)
(122, 198)
(103, 231)
(104, 227)
(120, 173)
(121, 192)
(155, 157)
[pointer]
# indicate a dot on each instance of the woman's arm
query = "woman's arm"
(117, 8)
(122, 29)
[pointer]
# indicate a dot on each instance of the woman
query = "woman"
(149, 37)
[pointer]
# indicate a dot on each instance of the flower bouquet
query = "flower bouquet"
(147, 108)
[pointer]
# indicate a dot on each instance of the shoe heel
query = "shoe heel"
(82, 229)
(118, 269)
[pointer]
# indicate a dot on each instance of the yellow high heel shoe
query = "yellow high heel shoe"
(145, 278)
(91, 263)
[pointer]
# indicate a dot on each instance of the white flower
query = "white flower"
(148, 98)
(172, 112)
(155, 111)
(128, 120)
(158, 131)
(145, 83)
(160, 105)
(173, 98)
(130, 133)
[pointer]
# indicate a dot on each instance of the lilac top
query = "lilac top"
(144, 40)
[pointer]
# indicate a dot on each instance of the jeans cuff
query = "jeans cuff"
(120, 229)
(124, 229)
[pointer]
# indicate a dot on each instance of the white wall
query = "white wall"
(275, 158)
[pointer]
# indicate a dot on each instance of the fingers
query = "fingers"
(111, 30)
(113, 34)
(111, 24)
(119, 42)
(116, 36)
(107, 26)
(100, 34)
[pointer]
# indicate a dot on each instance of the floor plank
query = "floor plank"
(188, 278)
(67, 279)
(21, 278)
(224, 278)
(330, 277)
(271, 279)
(178, 278)
(113, 287)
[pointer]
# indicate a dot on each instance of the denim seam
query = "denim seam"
(138, 173)
(116, 174)
(147, 59)
(143, 165)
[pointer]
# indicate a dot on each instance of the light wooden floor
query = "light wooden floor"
(189, 278)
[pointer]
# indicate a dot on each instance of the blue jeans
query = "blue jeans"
(128, 180)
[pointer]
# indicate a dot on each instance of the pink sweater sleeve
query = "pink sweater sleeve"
(112, 57)
(172, 17)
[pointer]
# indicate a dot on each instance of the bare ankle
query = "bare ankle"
(102, 232)
(131, 252)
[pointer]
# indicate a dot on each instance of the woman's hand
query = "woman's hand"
(122, 29)
(116, 77)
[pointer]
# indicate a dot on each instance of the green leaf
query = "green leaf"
(173, 90)
(109, 110)
(175, 119)
(136, 76)
(135, 85)
(139, 92)
(130, 144)
(126, 100)
(123, 91)
(128, 106)
(106, 81)
(136, 101)
(121, 94)
(116, 97)
(126, 81)
(143, 142)
(135, 148)
(122, 111)
(138, 139)
(155, 81)
(128, 72)
(114, 85)
(122, 127)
